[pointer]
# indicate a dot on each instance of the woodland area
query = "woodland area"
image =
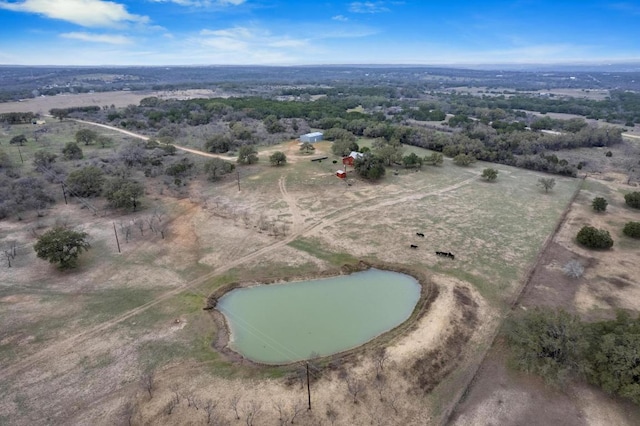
(497, 128)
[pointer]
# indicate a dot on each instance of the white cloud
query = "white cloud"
(246, 45)
(202, 3)
(247, 39)
(340, 18)
(235, 32)
(626, 7)
(87, 13)
(225, 44)
(98, 38)
(368, 7)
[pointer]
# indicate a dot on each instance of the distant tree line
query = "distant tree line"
(622, 106)
(17, 117)
(494, 136)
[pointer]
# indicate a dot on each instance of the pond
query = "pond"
(282, 323)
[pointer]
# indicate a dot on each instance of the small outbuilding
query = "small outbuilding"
(311, 137)
(341, 174)
(351, 158)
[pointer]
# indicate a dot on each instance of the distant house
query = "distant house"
(341, 174)
(311, 137)
(351, 158)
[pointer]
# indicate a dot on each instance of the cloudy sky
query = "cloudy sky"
(289, 32)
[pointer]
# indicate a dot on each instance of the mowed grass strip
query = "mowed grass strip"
(315, 248)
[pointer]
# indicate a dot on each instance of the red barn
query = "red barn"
(341, 174)
(351, 158)
(347, 161)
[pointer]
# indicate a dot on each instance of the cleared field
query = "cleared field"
(94, 331)
(43, 104)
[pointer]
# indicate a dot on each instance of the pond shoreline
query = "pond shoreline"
(428, 293)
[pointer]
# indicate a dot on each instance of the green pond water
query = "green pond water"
(282, 323)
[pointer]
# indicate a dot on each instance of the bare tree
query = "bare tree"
(192, 401)
(288, 413)
(148, 380)
(380, 384)
(253, 409)
(162, 228)
(125, 228)
(262, 222)
(210, 410)
(235, 400)
(174, 389)
(283, 416)
(393, 400)
(171, 405)
(296, 409)
(140, 225)
(128, 411)
(9, 256)
(275, 229)
(380, 356)
(246, 218)
(10, 252)
(332, 414)
(151, 223)
(355, 387)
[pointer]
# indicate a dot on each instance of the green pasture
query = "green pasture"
(53, 137)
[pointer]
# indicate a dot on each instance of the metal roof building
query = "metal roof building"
(311, 137)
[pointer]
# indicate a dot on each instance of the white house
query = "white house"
(311, 137)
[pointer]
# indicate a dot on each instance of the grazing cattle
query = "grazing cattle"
(445, 254)
(420, 234)
(413, 246)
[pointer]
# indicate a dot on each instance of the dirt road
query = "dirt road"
(146, 138)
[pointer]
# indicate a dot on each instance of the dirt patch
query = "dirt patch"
(550, 286)
(429, 370)
(499, 395)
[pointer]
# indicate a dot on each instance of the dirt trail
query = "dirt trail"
(146, 138)
(69, 343)
(298, 220)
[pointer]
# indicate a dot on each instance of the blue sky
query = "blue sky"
(281, 32)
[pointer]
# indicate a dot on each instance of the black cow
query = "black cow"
(445, 254)
(413, 246)
(420, 234)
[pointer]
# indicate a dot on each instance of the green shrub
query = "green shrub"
(594, 238)
(490, 174)
(633, 199)
(632, 229)
(464, 159)
(547, 343)
(599, 204)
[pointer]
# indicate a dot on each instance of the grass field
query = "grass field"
(118, 315)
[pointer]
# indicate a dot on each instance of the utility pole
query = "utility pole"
(117, 241)
(20, 152)
(238, 174)
(308, 387)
